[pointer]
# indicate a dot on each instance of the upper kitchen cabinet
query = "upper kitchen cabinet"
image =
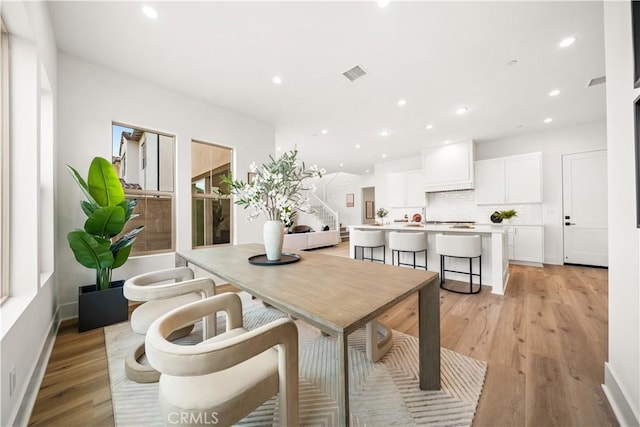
(513, 179)
(449, 167)
(405, 189)
(524, 179)
(414, 195)
(490, 182)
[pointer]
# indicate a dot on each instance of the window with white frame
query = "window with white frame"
(144, 160)
(46, 246)
(4, 161)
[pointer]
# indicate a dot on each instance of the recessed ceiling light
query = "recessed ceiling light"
(568, 41)
(367, 171)
(277, 79)
(150, 12)
(384, 132)
(357, 145)
(402, 102)
(383, 3)
(447, 141)
(429, 127)
(512, 62)
(279, 148)
(548, 120)
(341, 164)
(554, 92)
(384, 155)
(462, 110)
(324, 131)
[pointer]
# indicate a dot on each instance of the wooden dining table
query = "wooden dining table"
(334, 294)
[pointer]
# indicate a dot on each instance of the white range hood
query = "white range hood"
(449, 167)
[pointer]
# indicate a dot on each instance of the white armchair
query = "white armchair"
(162, 291)
(226, 377)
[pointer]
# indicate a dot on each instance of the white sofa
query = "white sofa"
(314, 239)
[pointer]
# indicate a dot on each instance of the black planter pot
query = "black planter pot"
(496, 218)
(101, 308)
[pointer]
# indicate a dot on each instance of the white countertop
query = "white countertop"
(412, 226)
(503, 224)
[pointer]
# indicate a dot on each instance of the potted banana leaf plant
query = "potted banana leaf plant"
(107, 213)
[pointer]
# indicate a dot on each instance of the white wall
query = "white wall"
(28, 315)
(553, 144)
(335, 190)
(368, 180)
(90, 99)
(622, 371)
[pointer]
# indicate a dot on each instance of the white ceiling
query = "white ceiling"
(436, 55)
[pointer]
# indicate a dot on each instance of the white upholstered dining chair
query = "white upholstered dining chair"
(162, 291)
(230, 375)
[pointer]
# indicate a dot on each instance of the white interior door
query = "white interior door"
(584, 191)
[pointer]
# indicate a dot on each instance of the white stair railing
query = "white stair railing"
(324, 213)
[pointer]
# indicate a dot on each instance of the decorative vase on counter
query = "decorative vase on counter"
(496, 218)
(273, 235)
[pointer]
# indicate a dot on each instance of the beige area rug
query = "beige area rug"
(381, 394)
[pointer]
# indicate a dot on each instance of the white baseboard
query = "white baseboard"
(68, 311)
(23, 414)
(623, 411)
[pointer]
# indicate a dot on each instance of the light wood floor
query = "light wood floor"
(545, 342)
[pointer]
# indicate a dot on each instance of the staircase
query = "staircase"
(324, 213)
(328, 216)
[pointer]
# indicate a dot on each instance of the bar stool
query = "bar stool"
(368, 239)
(456, 246)
(408, 242)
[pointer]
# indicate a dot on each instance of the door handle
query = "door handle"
(569, 223)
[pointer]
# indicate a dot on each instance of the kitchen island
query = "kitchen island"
(495, 262)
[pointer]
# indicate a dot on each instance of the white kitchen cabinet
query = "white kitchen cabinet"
(524, 179)
(395, 189)
(414, 188)
(490, 182)
(507, 180)
(510, 241)
(449, 167)
(405, 189)
(526, 243)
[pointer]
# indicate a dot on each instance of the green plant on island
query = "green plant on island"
(382, 212)
(107, 213)
(507, 214)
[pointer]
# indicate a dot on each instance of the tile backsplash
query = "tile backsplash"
(461, 206)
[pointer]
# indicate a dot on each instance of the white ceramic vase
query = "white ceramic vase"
(273, 235)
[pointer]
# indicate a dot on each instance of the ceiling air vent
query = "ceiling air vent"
(354, 73)
(597, 81)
